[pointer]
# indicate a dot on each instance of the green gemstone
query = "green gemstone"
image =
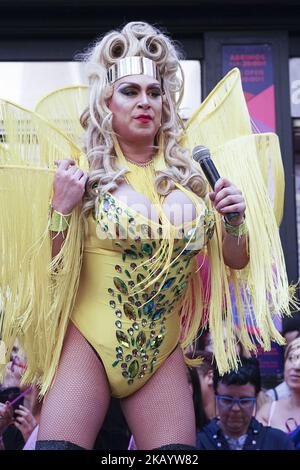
(129, 311)
(120, 285)
(156, 342)
(147, 249)
(119, 298)
(132, 254)
(140, 277)
(141, 339)
(158, 314)
(127, 273)
(133, 369)
(153, 364)
(115, 363)
(148, 307)
(123, 339)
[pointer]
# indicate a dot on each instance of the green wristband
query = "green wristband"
(59, 222)
(236, 230)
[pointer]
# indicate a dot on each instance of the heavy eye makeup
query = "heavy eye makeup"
(130, 90)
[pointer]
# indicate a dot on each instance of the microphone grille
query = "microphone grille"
(200, 153)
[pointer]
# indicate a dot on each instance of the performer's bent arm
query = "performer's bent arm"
(235, 251)
(68, 190)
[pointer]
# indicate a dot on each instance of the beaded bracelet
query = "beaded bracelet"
(59, 222)
(236, 230)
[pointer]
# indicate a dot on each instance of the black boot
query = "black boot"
(175, 447)
(57, 445)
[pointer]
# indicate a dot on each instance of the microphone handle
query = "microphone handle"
(212, 176)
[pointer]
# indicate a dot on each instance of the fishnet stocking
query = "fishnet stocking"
(76, 405)
(162, 411)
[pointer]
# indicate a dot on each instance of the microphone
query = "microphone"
(202, 156)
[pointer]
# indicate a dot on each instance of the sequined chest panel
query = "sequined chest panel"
(142, 294)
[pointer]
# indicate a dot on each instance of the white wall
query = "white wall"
(25, 83)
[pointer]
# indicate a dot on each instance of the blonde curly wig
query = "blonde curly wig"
(135, 39)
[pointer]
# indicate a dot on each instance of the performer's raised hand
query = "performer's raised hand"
(228, 198)
(68, 187)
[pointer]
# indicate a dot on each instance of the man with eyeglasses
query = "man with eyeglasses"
(235, 427)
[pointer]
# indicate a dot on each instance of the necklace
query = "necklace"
(142, 164)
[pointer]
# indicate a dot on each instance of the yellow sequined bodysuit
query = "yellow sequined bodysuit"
(37, 291)
(133, 329)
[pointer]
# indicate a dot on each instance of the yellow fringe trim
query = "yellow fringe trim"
(37, 294)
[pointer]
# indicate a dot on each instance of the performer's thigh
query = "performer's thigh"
(75, 406)
(162, 411)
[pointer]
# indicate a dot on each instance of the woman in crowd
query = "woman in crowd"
(284, 413)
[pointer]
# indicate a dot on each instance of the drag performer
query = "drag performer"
(108, 293)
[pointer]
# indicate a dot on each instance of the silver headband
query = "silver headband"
(134, 65)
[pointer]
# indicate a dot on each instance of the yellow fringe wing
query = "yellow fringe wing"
(38, 301)
(36, 293)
